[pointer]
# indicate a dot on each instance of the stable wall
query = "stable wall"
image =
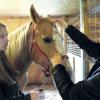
(13, 23)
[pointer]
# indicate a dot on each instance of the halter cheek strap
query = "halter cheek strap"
(35, 44)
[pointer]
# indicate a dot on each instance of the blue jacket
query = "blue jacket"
(88, 89)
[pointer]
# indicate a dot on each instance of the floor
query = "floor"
(49, 93)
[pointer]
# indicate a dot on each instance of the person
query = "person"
(66, 63)
(87, 89)
(9, 88)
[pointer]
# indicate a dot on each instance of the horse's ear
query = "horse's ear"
(34, 14)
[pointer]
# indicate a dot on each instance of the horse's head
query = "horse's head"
(43, 44)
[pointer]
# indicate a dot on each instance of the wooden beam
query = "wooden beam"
(14, 17)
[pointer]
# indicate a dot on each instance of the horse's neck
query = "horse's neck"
(22, 61)
(18, 50)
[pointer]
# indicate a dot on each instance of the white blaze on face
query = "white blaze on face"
(57, 37)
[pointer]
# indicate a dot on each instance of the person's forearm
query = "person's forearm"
(62, 80)
(75, 34)
(90, 47)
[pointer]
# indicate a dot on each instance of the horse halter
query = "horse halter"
(34, 43)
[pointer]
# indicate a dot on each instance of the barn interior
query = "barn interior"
(83, 14)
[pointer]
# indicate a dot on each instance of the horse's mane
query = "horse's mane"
(17, 40)
(63, 34)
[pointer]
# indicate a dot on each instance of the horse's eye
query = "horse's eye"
(55, 26)
(47, 39)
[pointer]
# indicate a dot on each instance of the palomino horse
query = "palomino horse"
(36, 43)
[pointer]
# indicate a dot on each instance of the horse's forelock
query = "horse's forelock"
(45, 19)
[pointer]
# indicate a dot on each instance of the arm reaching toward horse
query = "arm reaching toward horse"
(89, 88)
(82, 90)
(90, 47)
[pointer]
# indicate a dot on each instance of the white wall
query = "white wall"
(76, 63)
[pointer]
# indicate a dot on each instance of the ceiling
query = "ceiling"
(43, 7)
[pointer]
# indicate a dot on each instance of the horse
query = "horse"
(36, 41)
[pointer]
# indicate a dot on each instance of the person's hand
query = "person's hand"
(61, 22)
(56, 59)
